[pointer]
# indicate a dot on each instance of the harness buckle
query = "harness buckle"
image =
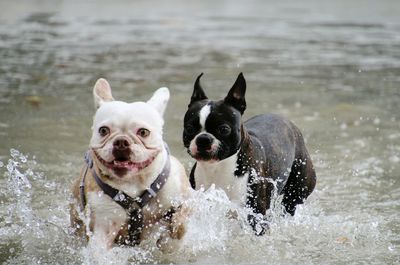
(119, 197)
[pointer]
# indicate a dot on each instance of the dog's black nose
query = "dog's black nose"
(204, 141)
(121, 144)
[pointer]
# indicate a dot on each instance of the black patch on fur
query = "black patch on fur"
(269, 146)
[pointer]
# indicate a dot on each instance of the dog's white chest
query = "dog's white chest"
(222, 175)
(106, 212)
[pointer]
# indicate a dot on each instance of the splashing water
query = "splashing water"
(35, 229)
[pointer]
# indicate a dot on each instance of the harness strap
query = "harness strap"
(89, 163)
(133, 206)
(126, 201)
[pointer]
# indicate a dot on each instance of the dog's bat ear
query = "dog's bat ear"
(198, 92)
(102, 92)
(160, 99)
(235, 97)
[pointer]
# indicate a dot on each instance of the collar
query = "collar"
(120, 197)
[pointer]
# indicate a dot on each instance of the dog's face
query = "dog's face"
(212, 129)
(127, 137)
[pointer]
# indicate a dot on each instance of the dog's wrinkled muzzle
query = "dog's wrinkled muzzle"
(121, 150)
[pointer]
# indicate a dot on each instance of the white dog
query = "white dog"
(130, 183)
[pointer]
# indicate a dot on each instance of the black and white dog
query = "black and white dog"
(247, 160)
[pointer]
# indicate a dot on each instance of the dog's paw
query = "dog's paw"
(167, 244)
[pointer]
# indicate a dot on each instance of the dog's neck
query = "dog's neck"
(244, 154)
(250, 155)
(223, 174)
(135, 185)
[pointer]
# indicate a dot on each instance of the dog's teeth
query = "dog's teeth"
(121, 163)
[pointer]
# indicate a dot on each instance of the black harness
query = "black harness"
(132, 206)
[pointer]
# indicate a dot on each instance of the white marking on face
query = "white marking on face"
(203, 114)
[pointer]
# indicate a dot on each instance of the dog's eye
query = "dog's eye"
(103, 131)
(143, 132)
(190, 129)
(224, 130)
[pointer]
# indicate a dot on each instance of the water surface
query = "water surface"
(332, 68)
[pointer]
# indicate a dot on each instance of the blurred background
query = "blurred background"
(332, 67)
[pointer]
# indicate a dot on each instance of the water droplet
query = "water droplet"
(23, 159)
(14, 153)
(391, 247)
(10, 166)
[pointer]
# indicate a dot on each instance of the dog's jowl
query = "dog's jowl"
(246, 159)
(127, 187)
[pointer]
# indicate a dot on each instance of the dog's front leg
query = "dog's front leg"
(104, 234)
(173, 228)
(259, 200)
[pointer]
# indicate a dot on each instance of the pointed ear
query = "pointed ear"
(102, 92)
(160, 99)
(235, 97)
(198, 92)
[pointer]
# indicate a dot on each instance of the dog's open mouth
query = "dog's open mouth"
(123, 164)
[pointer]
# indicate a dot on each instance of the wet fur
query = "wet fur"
(280, 145)
(103, 220)
(269, 150)
(153, 213)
